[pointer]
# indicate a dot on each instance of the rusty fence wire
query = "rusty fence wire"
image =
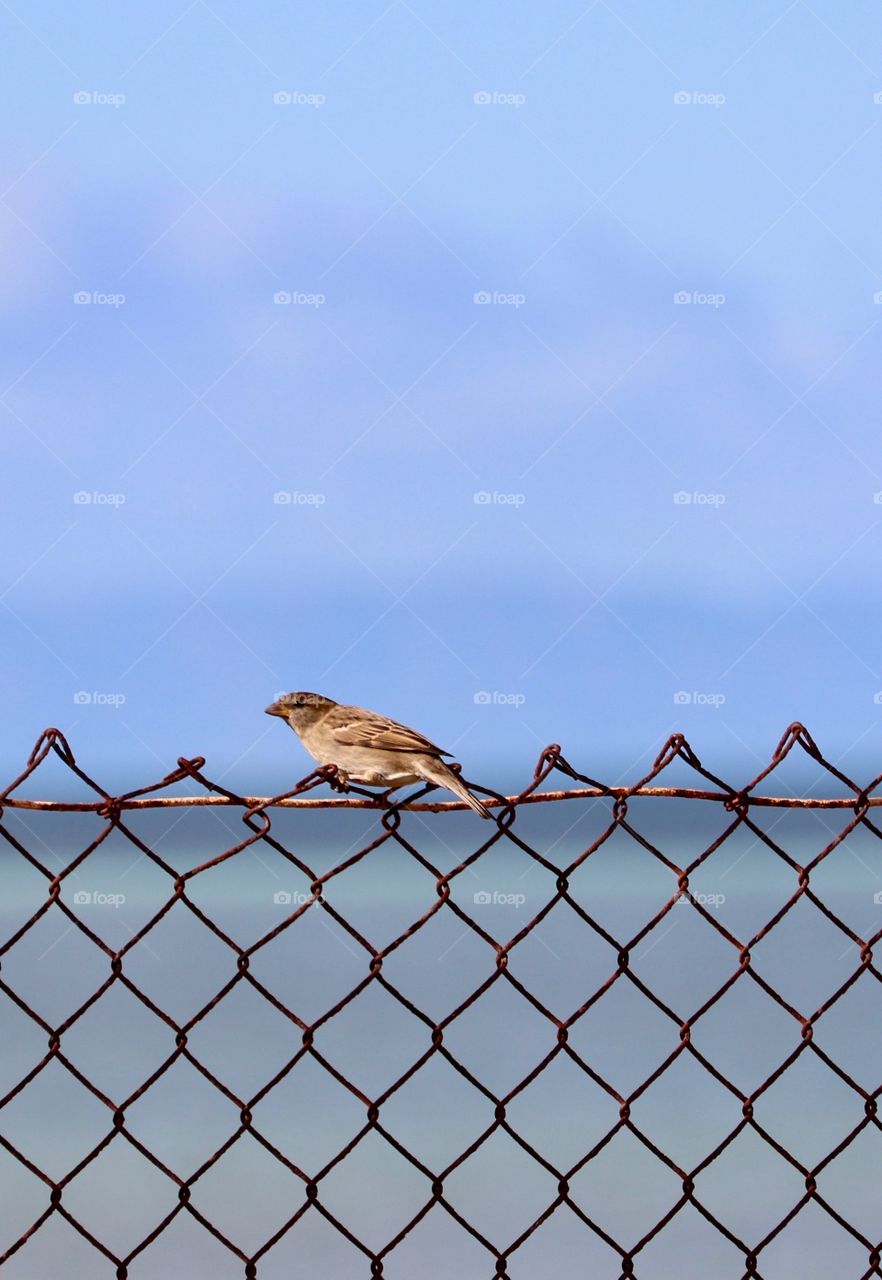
(403, 827)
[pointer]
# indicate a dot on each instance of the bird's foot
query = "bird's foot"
(337, 779)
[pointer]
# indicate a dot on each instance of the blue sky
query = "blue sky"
(627, 154)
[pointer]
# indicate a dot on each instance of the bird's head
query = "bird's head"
(300, 709)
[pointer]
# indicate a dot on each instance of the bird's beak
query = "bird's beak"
(275, 709)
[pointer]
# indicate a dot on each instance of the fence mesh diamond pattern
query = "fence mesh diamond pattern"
(532, 1154)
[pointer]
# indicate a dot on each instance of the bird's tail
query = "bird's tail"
(436, 771)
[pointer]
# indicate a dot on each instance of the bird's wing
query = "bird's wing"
(381, 733)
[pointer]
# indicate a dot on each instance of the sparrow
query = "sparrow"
(367, 747)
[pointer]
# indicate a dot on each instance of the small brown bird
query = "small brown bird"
(368, 748)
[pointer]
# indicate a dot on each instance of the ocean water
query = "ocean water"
(371, 1044)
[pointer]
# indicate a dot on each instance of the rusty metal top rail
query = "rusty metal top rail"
(551, 759)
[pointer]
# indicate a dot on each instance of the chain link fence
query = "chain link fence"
(540, 833)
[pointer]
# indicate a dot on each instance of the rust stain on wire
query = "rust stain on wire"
(857, 800)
